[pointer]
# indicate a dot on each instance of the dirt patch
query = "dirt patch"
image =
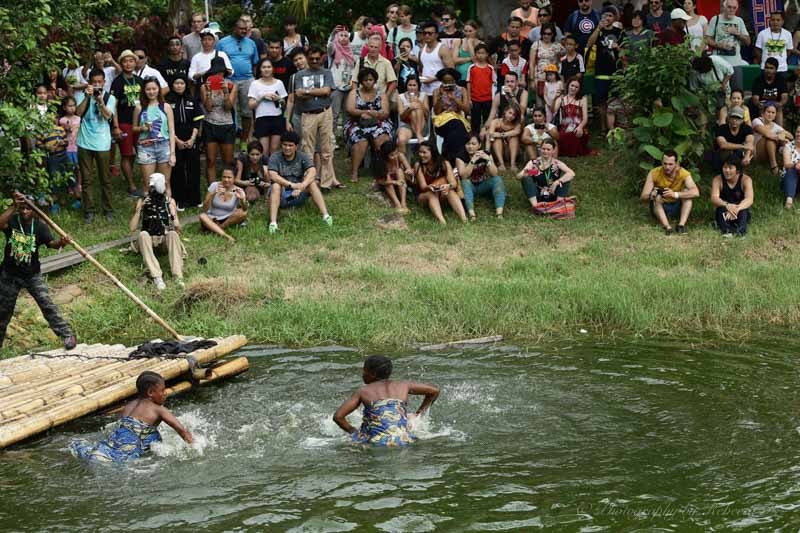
(225, 294)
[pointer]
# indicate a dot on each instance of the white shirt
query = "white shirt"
(267, 108)
(150, 72)
(774, 45)
(202, 62)
(431, 64)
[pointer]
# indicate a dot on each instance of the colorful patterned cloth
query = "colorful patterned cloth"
(385, 423)
(130, 439)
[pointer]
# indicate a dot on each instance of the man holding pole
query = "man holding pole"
(21, 269)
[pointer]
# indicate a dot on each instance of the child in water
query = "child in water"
(385, 420)
(137, 428)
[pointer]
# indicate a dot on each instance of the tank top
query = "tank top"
(732, 195)
(219, 116)
(159, 126)
(463, 68)
(431, 64)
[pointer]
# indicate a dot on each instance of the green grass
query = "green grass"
(610, 270)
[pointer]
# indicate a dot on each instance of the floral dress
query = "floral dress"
(356, 131)
(550, 55)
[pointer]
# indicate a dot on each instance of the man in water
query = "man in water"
(385, 421)
(21, 268)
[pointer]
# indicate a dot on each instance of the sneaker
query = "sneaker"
(327, 219)
(88, 218)
(680, 230)
(70, 342)
(109, 217)
(273, 227)
(181, 209)
(727, 235)
(243, 224)
(667, 231)
(160, 285)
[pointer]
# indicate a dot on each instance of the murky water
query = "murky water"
(617, 437)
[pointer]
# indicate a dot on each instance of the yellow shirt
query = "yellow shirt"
(382, 66)
(662, 181)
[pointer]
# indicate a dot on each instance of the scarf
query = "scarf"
(342, 52)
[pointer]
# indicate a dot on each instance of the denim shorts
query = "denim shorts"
(151, 154)
(287, 200)
(671, 209)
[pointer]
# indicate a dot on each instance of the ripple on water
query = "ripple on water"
(324, 525)
(412, 523)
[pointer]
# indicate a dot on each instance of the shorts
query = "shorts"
(214, 133)
(601, 89)
(126, 144)
(266, 126)
(151, 154)
(287, 200)
(242, 101)
(72, 157)
(671, 209)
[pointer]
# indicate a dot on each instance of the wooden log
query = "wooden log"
(33, 370)
(480, 340)
(77, 406)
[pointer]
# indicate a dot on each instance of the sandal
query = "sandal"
(340, 186)
(776, 170)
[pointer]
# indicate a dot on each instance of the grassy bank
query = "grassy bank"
(610, 269)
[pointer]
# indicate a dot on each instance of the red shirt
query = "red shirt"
(481, 82)
(670, 36)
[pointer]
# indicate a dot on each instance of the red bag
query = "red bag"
(558, 209)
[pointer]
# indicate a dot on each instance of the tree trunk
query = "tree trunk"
(180, 13)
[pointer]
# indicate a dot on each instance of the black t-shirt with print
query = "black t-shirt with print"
(127, 92)
(769, 91)
(171, 69)
(19, 258)
(607, 54)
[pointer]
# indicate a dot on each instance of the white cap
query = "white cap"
(159, 182)
(679, 13)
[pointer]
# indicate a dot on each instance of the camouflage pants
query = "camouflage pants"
(9, 290)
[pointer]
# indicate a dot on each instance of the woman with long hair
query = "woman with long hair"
(154, 122)
(573, 112)
(265, 96)
(188, 116)
(219, 98)
(368, 121)
(435, 183)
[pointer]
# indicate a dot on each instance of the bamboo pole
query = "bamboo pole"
(77, 406)
(152, 314)
(49, 368)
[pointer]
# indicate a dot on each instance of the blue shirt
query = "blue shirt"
(95, 131)
(243, 54)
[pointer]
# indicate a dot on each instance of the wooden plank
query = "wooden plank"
(54, 263)
(482, 340)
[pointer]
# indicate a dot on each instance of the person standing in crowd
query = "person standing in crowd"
(73, 75)
(154, 127)
(607, 37)
(499, 46)
(450, 32)
(103, 61)
(481, 80)
(406, 65)
(526, 12)
(638, 38)
(464, 48)
(144, 71)
(726, 33)
(362, 29)
(657, 18)
(696, 26)
(174, 64)
(293, 181)
(676, 33)
(543, 52)
(156, 225)
(243, 54)
(342, 65)
(251, 34)
(514, 62)
(545, 17)
(732, 195)
(96, 109)
(776, 42)
(571, 64)
(218, 96)
(387, 79)
(282, 66)
(392, 17)
(188, 116)
(292, 39)
(404, 30)
(126, 89)
(581, 23)
(368, 119)
(264, 99)
(21, 268)
(433, 57)
(670, 190)
(573, 114)
(192, 42)
(201, 62)
(312, 96)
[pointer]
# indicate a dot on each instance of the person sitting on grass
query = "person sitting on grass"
(225, 205)
(450, 105)
(536, 132)
(160, 228)
(503, 133)
(479, 177)
(250, 171)
(733, 138)
(791, 165)
(21, 269)
(434, 182)
(769, 137)
(385, 420)
(545, 178)
(669, 189)
(412, 112)
(390, 169)
(368, 119)
(732, 195)
(137, 428)
(293, 178)
(736, 100)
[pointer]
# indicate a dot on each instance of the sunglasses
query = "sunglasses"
(429, 33)
(141, 57)
(446, 19)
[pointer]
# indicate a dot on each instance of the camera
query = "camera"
(660, 191)
(449, 86)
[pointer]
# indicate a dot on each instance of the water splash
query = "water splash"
(204, 432)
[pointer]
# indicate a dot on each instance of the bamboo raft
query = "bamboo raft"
(41, 391)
